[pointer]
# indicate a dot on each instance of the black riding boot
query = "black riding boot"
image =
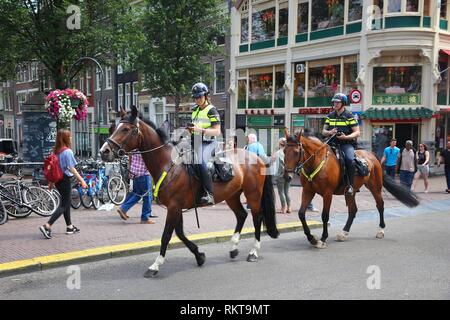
(350, 176)
(208, 198)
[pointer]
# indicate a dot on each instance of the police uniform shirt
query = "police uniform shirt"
(343, 123)
(212, 116)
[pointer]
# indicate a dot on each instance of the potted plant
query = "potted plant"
(63, 105)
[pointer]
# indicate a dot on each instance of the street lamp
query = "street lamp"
(97, 110)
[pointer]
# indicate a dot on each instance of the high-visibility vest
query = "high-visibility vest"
(201, 119)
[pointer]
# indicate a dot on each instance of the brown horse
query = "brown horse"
(322, 174)
(178, 189)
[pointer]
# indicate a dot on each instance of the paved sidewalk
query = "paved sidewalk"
(20, 238)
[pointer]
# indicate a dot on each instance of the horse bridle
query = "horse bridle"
(299, 165)
(121, 151)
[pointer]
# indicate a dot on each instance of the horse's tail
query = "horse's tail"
(268, 208)
(402, 193)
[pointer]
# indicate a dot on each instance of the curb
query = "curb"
(122, 250)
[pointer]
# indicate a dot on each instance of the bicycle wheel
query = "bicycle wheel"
(40, 200)
(86, 199)
(3, 214)
(13, 209)
(57, 196)
(96, 201)
(75, 199)
(117, 190)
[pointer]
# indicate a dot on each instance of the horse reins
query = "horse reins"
(299, 165)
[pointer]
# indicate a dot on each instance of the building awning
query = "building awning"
(397, 114)
(447, 52)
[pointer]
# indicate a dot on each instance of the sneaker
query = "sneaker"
(72, 230)
(122, 214)
(46, 232)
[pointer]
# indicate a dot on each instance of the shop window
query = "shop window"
(244, 30)
(283, 19)
(440, 135)
(443, 84)
(242, 94)
(279, 87)
(263, 24)
(426, 8)
(302, 18)
(443, 9)
(261, 84)
(394, 6)
(327, 14)
(323, 82)
(412, 5)
(350, 75)
(299, 85)
(355, 8)
(397, 85)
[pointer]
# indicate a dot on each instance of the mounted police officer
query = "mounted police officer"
(205, 127)
(343, 124)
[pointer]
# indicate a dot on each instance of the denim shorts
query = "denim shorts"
(423, 169)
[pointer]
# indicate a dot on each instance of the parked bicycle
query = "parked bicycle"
(119, 181)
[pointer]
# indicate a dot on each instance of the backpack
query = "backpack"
(52, 169)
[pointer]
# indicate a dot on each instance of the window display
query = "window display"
(283, 19)
(323, 82)
(327, 14)
(263, 24)
(302, 19)
(397, 85)
(355, 8)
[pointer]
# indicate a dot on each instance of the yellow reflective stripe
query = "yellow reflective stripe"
(339, 123)
(158, 184)
(315, 172)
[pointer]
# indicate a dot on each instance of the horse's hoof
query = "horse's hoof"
(252, 258)
(234, 253)
(321, 245)
(341, 237)
(380, 234)
(150, 273)
(201, 258)
(313, 240)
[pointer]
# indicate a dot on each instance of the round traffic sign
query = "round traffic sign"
(355, 96)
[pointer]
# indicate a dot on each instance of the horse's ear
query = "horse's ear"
(122, 112)
(298, 135)
(286, 133)
(134, 112)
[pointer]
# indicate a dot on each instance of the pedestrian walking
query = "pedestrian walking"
(407, 164)
(257, 148)
(67, 164)
(283, 181)
(390, 156)
(142, 189)
(445, 157)
(423, 158)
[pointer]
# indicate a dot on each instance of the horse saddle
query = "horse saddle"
(361, 165)
(220, 169)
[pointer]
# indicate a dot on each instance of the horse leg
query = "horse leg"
(171, 221)
(254, 252)
(241, 214)
(322, 243)
(199, 256)
(306, 200)
(352, 209)
(380, 206)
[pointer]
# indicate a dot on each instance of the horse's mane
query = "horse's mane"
(161, 133)
(293, 139)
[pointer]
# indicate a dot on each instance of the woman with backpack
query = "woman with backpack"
(67, 163)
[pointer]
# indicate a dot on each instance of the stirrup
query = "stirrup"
(349, 191)
(207, 199)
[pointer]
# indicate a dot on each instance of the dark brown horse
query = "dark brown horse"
(178, 189)
(322, 174)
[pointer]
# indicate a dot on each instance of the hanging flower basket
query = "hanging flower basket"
(63, 105)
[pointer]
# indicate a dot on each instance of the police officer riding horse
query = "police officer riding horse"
(205, 127)
(342, 126)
